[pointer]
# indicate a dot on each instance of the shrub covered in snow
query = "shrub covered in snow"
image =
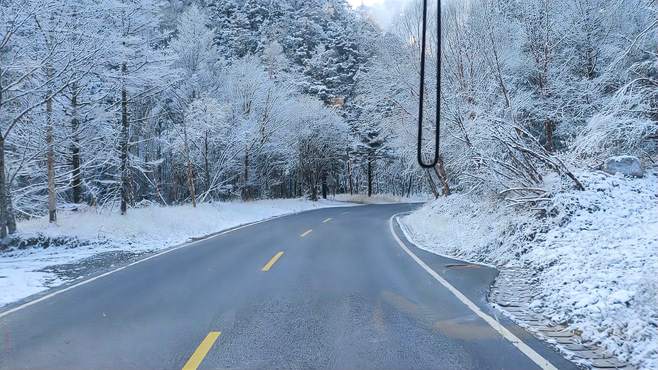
(615, 131)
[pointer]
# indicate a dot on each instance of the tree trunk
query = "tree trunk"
(76, 172)
(206, 162)
(549, 127)
(349, 173)
(314, 189)
(441, 174)
(125, 126)
(409, 186)
(50, 159)
(11, 216)
(190, 170)
(432, 185)
(7, 219)
(336, 186)
(190, 182)
(245, 185)
(158, 173)
(369, 177)
(324, 185)
(3, 192)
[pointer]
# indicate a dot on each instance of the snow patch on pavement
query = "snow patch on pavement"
(595, 255)
(142, 230)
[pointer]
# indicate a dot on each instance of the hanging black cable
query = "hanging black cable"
(421, 100)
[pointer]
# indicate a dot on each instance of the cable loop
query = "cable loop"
(437, 132)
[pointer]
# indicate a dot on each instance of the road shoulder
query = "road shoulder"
(474, 282)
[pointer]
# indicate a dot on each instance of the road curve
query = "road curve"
(329, 288)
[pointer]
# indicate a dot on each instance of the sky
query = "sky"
(384, 11)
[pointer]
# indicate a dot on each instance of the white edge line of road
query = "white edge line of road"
(168, 250)
(516, 342)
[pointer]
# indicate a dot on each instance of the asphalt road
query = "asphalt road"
(342, 295)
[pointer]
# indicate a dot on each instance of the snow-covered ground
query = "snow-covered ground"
(141, 230)
(381, 198)
(595, 255)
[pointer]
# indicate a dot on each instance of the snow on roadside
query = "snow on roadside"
(141, 230)
(596, 255)
(380, 198)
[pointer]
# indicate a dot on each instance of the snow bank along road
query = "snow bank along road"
(331, 288)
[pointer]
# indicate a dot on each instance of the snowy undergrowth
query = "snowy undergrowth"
(596, 255)
(380, 198)
(141, 230)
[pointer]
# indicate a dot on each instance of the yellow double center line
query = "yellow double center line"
(210, 339)
(272, 262)
(201, 351)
